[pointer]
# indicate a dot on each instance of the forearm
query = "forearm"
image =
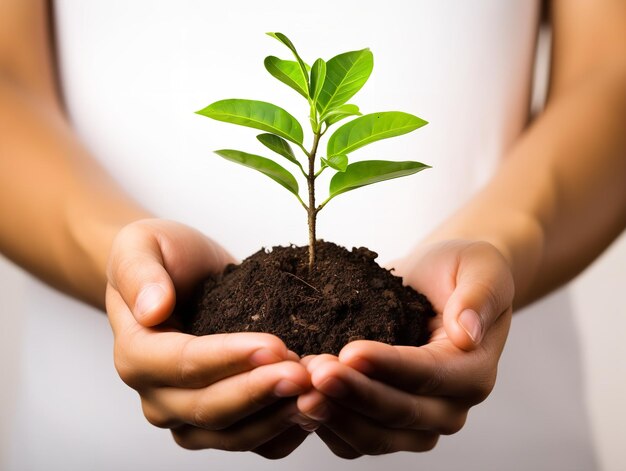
(559, 197)
(60, 211)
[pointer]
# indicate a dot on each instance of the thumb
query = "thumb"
(483, 292)
(136, 270)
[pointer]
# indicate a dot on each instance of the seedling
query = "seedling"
(327, 87)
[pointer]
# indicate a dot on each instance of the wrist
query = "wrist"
(91, 225)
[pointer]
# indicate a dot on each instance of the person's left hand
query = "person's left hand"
(376, 398)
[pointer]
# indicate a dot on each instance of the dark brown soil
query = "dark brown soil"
(347, 297)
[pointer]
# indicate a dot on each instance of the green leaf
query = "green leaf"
(318, 75)
(338, 162)
(371, 128)
(278, 145)
(287, 72)
(345, 75)
(339, 113)
(258, 115)
(303, 67)
(367, 172)
(265, 166)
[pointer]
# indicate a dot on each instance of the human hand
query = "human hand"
(225, 391)
(376, 398)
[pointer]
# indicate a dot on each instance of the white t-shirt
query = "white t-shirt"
(134, 72)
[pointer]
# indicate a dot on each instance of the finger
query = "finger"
(283, 444)
(386, 405)
(250, 434)
(338, 446)
(230, 400)
(483, 292)
(313, 407)
(314, 361)
(148, 357)
(306, 360)
(433, 369)
(292, 356)
(152, 257)
(368, 438)
(136, 270)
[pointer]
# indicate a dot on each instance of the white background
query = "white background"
(600, 314)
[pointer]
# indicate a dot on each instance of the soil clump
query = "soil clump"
(346, 297)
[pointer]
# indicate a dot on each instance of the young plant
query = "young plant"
(327, 87)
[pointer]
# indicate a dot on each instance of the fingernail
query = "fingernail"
(149, 298)
(286, 388)
(470, 322)
(264, 356)
(334, 387)
(305, 423)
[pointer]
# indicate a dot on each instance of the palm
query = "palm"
(400, 397)
(216, 391)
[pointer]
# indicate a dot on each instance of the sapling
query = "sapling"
(327, 87)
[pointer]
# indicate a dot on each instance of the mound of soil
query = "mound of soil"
(347, 297)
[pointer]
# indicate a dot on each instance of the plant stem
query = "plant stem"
(312, 214)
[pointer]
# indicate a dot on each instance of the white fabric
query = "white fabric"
(134, 72)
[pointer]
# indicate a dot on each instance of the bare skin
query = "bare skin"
(555, 203)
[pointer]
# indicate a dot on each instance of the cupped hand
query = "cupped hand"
(375, 398)
(225, 391)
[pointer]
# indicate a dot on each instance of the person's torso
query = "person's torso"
(134, 72)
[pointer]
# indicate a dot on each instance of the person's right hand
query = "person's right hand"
(224, 391)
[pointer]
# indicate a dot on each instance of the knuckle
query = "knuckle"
(493, 299)
(183, 440)
(123, 268)
(273, 453)
(487, 386)
(346, 453)
(481, 387)
(455, 424)
(409, 416)
(429, 443)
(113, 262)
(155, 417)
(257, 395)
(187, 369)
(271, 342)
(414, 415)
(206, 418)
(377, 445)
(229, 357)
(235, 442)
(440, 373)
(434, 382)
(125, 369)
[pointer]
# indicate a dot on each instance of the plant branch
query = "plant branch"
(306, 175)
(306, 208)
(306, 152)
(319, 208)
